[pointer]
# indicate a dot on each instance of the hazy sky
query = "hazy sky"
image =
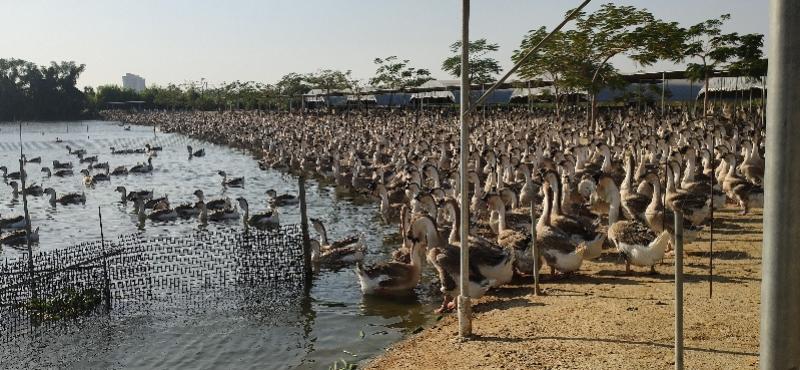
(175, 41)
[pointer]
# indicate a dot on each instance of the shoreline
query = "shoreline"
(604, 319)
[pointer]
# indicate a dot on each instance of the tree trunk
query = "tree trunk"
(705, 96)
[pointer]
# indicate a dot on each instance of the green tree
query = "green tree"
(553, 61)
(329, 80)
(394, 74)
(619, 30)
(706, 41)
(482, 68)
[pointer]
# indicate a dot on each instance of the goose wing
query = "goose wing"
(629, 232)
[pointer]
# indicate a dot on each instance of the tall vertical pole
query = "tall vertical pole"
(663, 90)
(301, 184)
(106, 281)
(464, 308)
(678, 290)
(780, 286)
(28, 233)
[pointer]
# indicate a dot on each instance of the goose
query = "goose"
(197, 153)
(235, 182)
(78, 152)
(694, 205)
(159, 215)
(391, 277)
(335, 256)
(59, 173)
(260, 220)
(71, 198)
(119, 171)
(633, 203)
(61, 166)
(33, 189)
(282, 200)
(746, 194)
(100, 166)
(88, 180)
(353, 241)
(560, 251)
(126, 196)
(660, 219)
(390, 212)
(20, 237)
(513, 240)
(188, 210)
(13, 175)
(638, 244)
(494, 261)
(213, 205)
(753, 165)
(446, 260)
(225, 214)
(89, 160)
(16, 222)
(575, 227)
(150, 148)
(33, 160)
(143, 168)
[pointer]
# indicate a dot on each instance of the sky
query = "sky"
(171, 41)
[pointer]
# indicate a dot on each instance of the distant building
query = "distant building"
(133, 82)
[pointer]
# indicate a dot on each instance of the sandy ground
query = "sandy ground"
(603, 319)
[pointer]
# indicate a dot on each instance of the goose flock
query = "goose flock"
(76, 165)
(616, 187)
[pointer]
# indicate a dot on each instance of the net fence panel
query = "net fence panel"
(141, 269)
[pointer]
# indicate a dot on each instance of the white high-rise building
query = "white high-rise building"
(133, 82)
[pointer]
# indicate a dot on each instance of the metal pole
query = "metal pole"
(780, 287)
(663, 90)
(464, 308)
(678, 290)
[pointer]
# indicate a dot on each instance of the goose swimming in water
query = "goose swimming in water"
(72, 198)
(33, 189)
(59, 173)
(119, 171)
(13, 175)
(33, 160)
(132, 196)
(282, 200)
(16, 222)
(20, 237)
(259, 220)
(392, 277)
(355, 242)
(215, 204)
(61, 166)
(161, 214)
(197, 153)
(234, 182)
(143, 168)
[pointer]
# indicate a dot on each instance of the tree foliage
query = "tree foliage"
(47, 92)
(482, 68)
(394, 73)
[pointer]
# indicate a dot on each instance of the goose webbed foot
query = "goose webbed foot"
(447, 305)
(653, 270)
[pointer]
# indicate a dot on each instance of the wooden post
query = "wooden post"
(301, 180)
(106, 281)
(28, 233)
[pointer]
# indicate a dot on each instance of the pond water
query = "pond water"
(334, 322)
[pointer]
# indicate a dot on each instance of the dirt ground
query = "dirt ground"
(603, 319)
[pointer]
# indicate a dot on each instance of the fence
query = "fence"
(134, 269)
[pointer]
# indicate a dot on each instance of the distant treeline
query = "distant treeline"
(48, 92)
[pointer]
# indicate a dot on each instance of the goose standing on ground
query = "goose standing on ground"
(197, 153)
(392, 277)
(561, 252)
(234, 182)
(638, 244)
(261, 220)
(447, 262)
(282, 200)
(71, 198)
